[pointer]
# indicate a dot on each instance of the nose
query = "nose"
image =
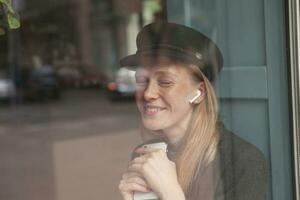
(151, 92)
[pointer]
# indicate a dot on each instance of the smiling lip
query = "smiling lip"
(151, 110)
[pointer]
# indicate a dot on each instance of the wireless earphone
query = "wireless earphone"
(196, 96)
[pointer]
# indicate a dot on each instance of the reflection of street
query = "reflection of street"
(74, 148)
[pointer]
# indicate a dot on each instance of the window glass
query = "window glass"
(72, 112)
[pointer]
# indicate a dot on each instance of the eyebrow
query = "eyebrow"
(166, 73)
(157, 73)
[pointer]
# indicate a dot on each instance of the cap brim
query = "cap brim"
(139, 59)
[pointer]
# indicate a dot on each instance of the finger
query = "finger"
(140, 159)
(135, 167)
(134, 177)
(137, 180)
(131, 174)
(130, 187)
(143, 150)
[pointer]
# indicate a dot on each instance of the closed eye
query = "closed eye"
(165, 83)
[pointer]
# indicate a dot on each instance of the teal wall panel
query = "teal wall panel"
(252, 86)
(248, 82)
(238, 114)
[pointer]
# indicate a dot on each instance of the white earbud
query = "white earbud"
(196, 96)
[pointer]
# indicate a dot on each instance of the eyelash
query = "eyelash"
(165, 83)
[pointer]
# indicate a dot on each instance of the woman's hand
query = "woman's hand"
(132, 181)
(158, 172)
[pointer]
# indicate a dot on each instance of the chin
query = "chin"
(153, 126)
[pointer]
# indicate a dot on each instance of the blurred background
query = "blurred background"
(68, 121)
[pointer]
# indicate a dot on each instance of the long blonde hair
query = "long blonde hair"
(199, 145)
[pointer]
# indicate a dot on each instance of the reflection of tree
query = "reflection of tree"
(84, 31)
(48, 30)
(89, 34)
(8, 17)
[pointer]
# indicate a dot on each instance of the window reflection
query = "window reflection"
(67, 115)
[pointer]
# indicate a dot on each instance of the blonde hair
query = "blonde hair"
(199, 145)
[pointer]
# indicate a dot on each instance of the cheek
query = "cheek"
(180, 96)
(177, 103)
(139, 95)
(180, 103)
(139, 98)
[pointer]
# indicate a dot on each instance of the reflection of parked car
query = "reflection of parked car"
(69, 77)
(39, 84)
(89, 81)
(123, 85)
(7, 87)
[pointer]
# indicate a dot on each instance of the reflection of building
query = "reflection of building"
(90, 35)
(108, 31)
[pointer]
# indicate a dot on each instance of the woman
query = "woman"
(175, 69)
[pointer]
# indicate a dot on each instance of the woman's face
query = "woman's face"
(163, 93)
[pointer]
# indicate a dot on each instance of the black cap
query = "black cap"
(179, 42)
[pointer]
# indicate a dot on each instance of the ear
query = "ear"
(202, 88)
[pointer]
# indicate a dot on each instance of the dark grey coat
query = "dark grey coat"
(239, 172)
